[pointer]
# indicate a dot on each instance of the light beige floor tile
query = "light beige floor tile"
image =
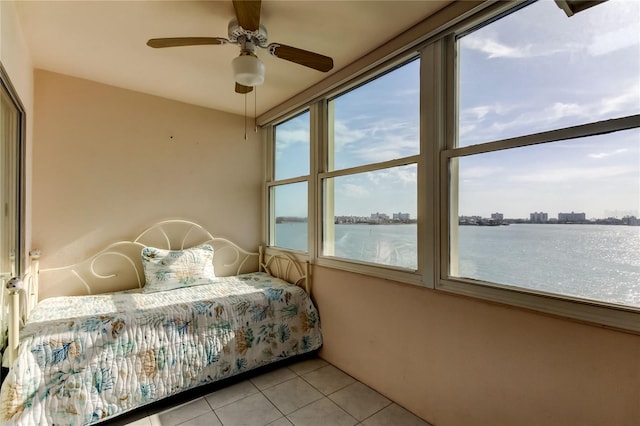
(133, 418)
(209, 419)
(396, 416)
(181, 413)
(145, 421)
(254, 410)
(307, 366)
(292, 394)
(359, 400)
(244, 404)
(321, 413)
(281, 422)
(272, 378)
(328, 379)
(233, 393)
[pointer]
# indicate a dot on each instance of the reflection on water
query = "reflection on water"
(597, 262)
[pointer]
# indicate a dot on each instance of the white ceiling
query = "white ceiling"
(105, 41)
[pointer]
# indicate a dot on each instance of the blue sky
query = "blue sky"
(532, 71)
(546, 71)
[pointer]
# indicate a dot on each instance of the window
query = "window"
(288, 190)
(12, 121)
(370, 184)
(544, 176)
(503, 163)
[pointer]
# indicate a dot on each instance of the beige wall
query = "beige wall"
(108, 162)
(456, 361)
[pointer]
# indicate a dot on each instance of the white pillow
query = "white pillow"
(171, 269)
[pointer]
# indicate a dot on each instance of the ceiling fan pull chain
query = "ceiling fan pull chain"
(255, 109)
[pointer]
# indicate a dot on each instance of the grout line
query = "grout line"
(284, 416)
(382, 409)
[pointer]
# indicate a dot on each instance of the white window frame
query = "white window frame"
(319, 110)
(271, 183)
(616, 316)
(437, 136)
(325, 172)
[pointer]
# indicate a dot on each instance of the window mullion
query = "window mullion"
(432, 130)
(287, 181)
(559, 135)
(317, 141)
(371, 167)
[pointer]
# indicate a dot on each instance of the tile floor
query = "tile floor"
(305, 393)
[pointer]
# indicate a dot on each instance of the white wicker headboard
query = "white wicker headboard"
(283, 265)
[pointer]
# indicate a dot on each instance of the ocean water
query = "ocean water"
(597, 262)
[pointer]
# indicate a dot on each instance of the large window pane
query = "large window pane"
(571, 210)
(289, 203)
(292, 147)
(371, 217)
(378, 121)
(537, 70)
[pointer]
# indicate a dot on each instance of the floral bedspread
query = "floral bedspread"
(86, 358)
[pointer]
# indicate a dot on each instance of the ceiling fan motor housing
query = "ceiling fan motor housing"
(237, 34)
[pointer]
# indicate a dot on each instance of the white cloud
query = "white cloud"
(344, 135)
(287, 137)
(593, 33)
(495, 49)
(351, 190)
(560, 110)
(628, 100)
(411, 93)
(394, 176)
(374, 140)
(607, 154)
(498, 121)
(480, 112)
(606, 42)
(580, 174)
(479, 172)
(407, 175)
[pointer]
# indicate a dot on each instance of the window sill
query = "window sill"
(379, 271)
(620, 318)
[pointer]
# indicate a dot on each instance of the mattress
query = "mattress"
(83, 359)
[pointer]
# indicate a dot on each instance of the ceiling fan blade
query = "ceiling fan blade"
(185, 41)
(302, 57)
(243, 89)
(248, 13)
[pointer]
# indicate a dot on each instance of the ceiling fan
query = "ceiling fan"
(247, 32)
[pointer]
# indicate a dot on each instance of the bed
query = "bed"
(188, 311)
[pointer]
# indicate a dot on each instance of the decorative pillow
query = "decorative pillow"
(170, 269)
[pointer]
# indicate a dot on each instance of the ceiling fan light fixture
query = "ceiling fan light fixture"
(248, 70)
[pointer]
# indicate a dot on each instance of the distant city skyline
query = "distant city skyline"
(408, 216)
(565, 57)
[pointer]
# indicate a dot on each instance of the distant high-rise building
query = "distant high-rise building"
(379, 217)
(538, 217)
(497, 216)
(571, 217)
(401, 217)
